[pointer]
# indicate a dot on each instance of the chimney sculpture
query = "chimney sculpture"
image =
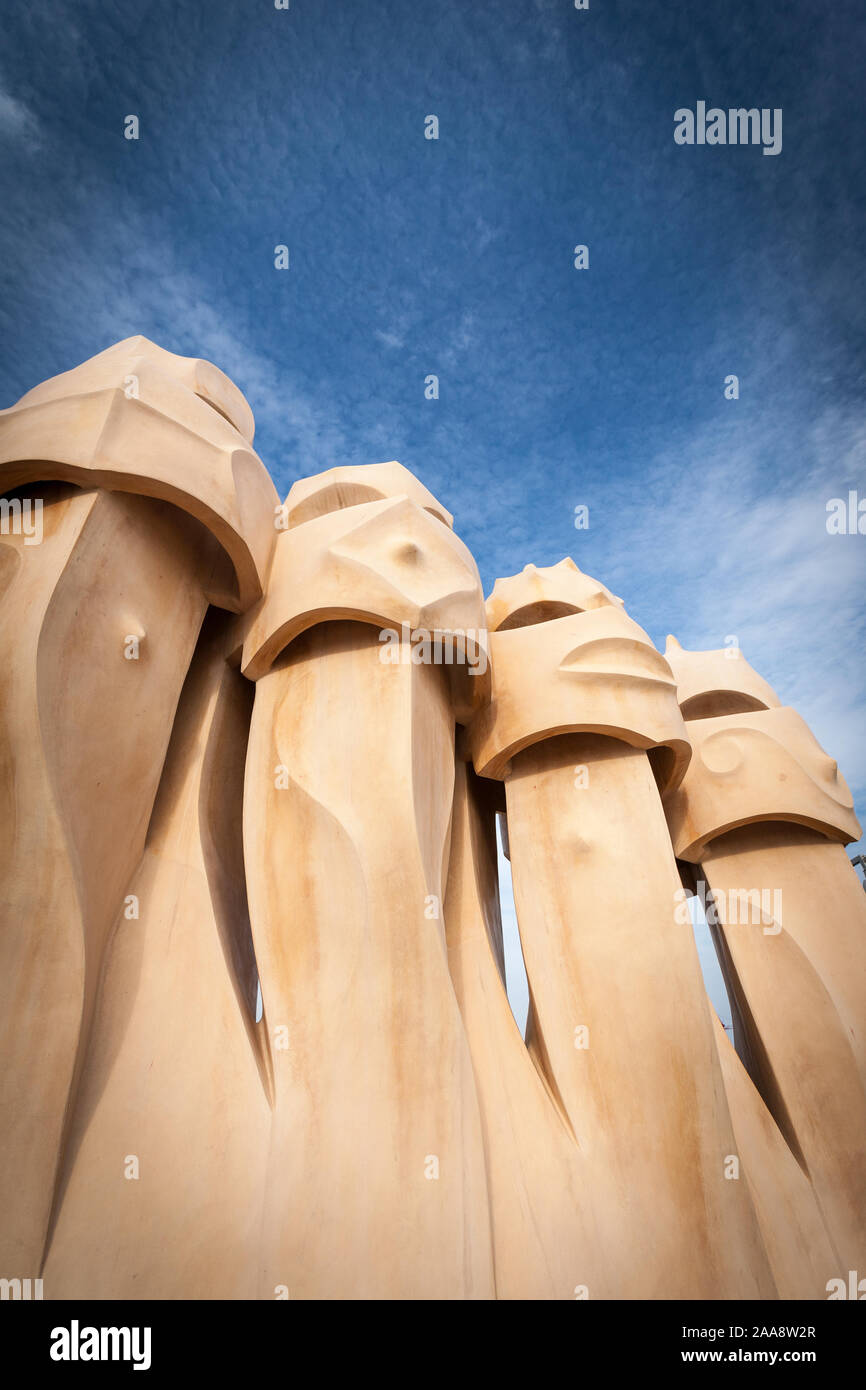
(347, 809)
(140, 469)
(552, 1236)
(763, 813)
(255, 1040)
(584, 728)
(170, 1131)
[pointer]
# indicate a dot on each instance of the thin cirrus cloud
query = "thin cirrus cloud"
(17, 121)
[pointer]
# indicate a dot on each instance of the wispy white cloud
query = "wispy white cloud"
(17, 121)
(392, 340)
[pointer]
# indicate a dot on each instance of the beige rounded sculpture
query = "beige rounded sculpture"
(172, 1122)
(347, 810)
(620, 1028)
(764, 812)
(151, 505)
(255, 1036)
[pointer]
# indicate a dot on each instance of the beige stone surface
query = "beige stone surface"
(552, 1236)
(255, 1036)
(762, 811)
(594, 886)
(347, 816)
(376, 1184)
(82, 741)
(761, 766)
(178, 1074)
(795, 1237)
(538, 595)
(620, 1027)
(590, 672)
(383, 563)
(799, 976)
(717, 682)
(137, 419)
(122, 360)
(354, 484)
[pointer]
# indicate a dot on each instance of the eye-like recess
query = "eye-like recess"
(544, 611)
(712, 704)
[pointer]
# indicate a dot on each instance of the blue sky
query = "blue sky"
(558, 387)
